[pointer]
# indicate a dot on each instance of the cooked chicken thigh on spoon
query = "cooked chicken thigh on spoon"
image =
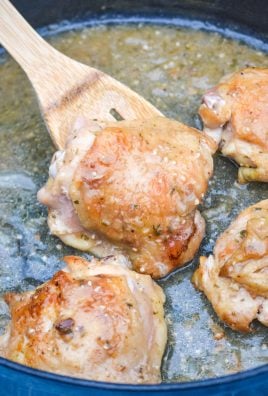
(132, 186)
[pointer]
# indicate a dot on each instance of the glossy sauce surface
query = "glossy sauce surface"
(171, 67)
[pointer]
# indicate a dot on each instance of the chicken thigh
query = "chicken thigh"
(96, 320)
(235, 114)
(235, 279)
(132, 187)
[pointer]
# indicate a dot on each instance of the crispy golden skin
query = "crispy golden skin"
(96, 320)
(235, 279)
(236, 114)
(136, 187)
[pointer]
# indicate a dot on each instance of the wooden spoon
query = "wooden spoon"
(66, 89)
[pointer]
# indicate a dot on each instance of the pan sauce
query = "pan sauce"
(172, 68)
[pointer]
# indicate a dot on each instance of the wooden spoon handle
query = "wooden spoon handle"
(21, 40)
(49, 71)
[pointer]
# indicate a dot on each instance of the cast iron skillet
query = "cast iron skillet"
(233, 18)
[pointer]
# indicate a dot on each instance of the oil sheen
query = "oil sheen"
(171, 67)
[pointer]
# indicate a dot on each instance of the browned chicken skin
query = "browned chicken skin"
(235, 279)
(235, 114)
(96, 320)
(133, 186)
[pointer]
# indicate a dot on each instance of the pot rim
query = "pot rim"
(197, 384)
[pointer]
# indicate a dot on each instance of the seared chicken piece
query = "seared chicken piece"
(132, 186)
(235, 114)
(96, 320)
(235, 279)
